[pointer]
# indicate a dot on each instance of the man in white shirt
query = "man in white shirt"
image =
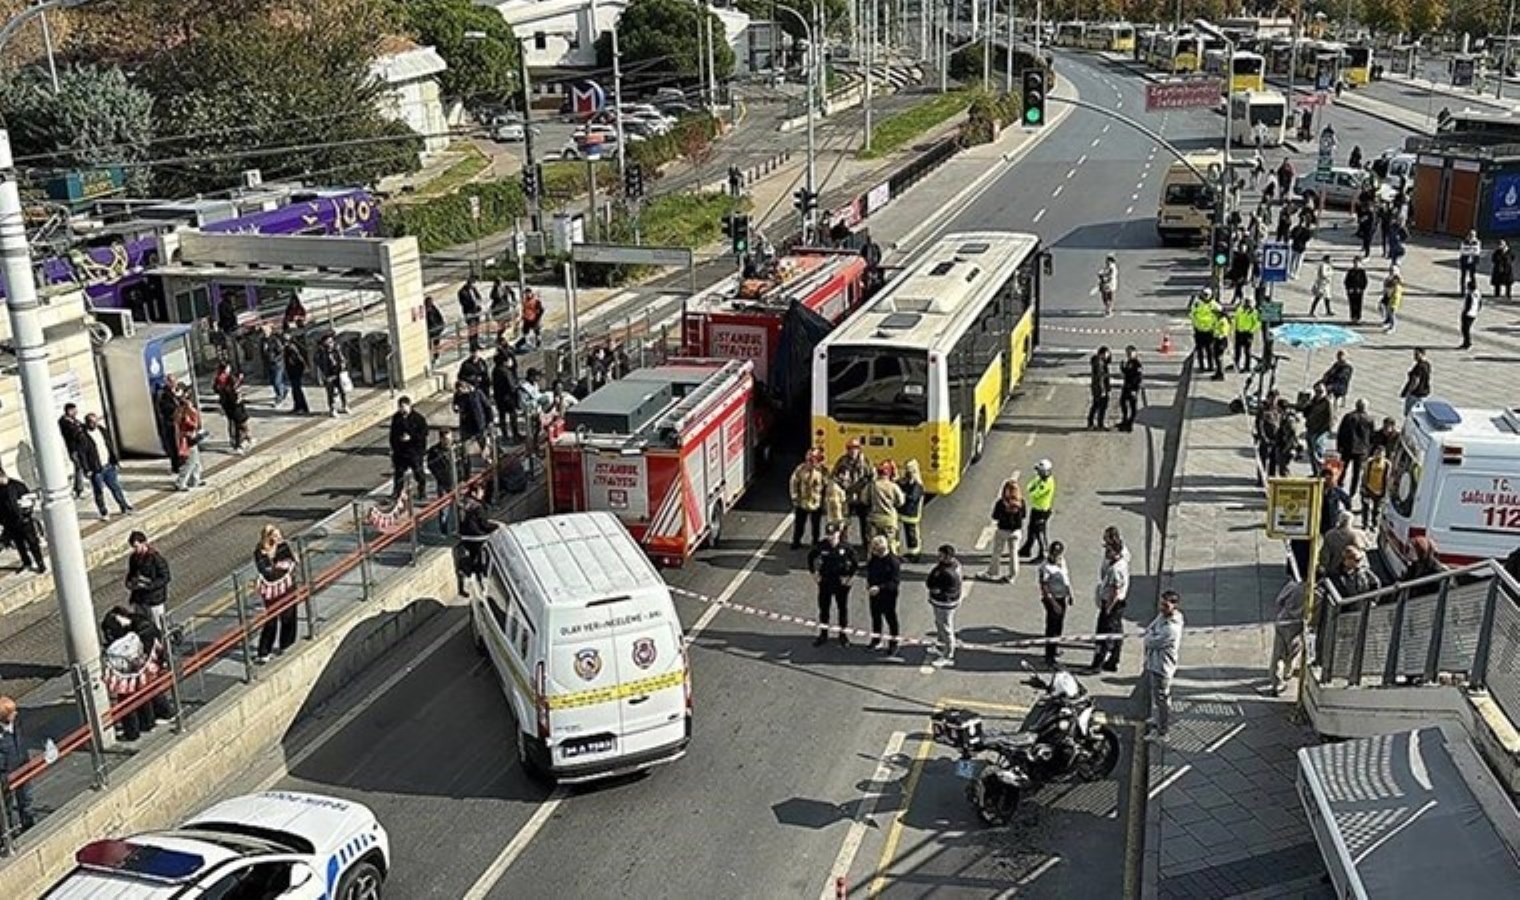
(1467, 262)
(1163, 642)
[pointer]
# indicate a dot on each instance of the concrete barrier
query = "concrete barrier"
(162, 786)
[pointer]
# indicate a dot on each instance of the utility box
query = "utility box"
(1464, 187)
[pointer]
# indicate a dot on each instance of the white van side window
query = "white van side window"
(496, 602)
(525, 640)
(512, 627)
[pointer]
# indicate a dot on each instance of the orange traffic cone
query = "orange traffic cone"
(1166, 343)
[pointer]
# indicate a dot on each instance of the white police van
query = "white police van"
(279, 845)
(1455, 480)
(584, 637)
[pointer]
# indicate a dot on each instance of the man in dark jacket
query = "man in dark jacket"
(333, 367)
(1355, 283)
(409, 432)
(272, 352)
(295, 371)
(101, 465)
(474, 529)
(1101, 384)
(73, 444)
(1317, 415)
(436, 325)
(20, 530)
(12, 757)
(475, 415)
(945, 584)
(1131, 383)
(147, 579)
(165, 405)
(504, 391)
(1417, 381)
(833, 563)
(448, 467)
(1353, 440)
(474, 370)
(469, 304)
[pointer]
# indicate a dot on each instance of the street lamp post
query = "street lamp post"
(60, 515)
(1509, 33)
(1225, 173)
(809, 215)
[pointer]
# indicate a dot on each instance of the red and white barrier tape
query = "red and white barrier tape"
(1001, 647)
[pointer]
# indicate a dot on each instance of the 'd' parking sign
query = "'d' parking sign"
(1274, 262)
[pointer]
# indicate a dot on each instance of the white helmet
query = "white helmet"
(1043, 467)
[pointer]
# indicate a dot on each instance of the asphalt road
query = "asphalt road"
(811, 761)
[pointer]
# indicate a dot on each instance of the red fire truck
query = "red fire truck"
(667, 449)
(775, 319)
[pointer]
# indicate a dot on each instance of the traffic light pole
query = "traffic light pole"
(809, 210)
(535, 219)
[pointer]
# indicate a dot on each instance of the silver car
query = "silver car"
(1337, 187)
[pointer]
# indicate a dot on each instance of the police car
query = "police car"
(278, 845)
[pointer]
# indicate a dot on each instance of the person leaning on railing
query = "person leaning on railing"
(474, 528)
(276, 565)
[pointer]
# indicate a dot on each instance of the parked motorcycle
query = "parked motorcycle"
(1058, 741)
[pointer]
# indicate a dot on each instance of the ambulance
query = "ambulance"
(584, 638)
(667, 449)
(1455, 481)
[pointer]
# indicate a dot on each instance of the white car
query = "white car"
(278, 845)
(509, 132)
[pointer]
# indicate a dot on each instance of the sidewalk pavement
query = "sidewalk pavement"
(1467, 95)
(1223, 817)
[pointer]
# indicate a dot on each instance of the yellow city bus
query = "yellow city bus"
(923, 370)
(1248, 72)
(1184, 53)
(1071, 34)
(1357, 65)
(1116, 37)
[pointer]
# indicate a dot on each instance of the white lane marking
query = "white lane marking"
(1050, 394)
(741, 576)
(1041, 869)
(1135, 196)
(1119, 105)
(984, 540)
(1039, 215)
(1096, 142)
(1029, 441)
(867, 808)
(1058, 190)
(519, 843)
(1081, 160)
(340, 723)
(1105, 128)
(1071, 172)
(1129, 210)
(1169, 780)
(1225, 738)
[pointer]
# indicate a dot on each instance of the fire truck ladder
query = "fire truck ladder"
(665, 427)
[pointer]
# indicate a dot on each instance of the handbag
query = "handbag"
(345, 381)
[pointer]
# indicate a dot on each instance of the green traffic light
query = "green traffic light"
(1032, 115)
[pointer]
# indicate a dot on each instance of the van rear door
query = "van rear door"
(653, 664)
(581, 684)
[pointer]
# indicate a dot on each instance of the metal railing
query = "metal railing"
(342, 559)
(1459, 627)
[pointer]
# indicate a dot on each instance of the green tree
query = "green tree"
(665, 36)
(290, 94)
(1426, 16)
(1478, 17)
(133, 32)
(1385, 16)
(480, 68)
(835, 12)
(97, 117)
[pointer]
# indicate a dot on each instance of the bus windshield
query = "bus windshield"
(1268, 114)
(874, 385)
(1192, 194)
(1247, 65)
(1357, 57)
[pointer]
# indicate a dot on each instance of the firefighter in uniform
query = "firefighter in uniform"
(912, 509)
(885, 498)
(853, 470)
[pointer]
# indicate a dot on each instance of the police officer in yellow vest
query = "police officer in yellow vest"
(1040, 494)
(1221, 342)
(1201, 313)
(1247, 321)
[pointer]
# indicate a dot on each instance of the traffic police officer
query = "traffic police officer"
(1040, 493)
(833, 564)
(1202, 316)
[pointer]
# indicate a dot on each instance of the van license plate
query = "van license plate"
(965, 768)
(582, 748)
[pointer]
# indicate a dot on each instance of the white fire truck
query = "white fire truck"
(667, 449)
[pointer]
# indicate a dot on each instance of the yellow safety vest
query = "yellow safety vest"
(1247, 321)
(1221, 326)
(1202, 315)
(1041, 493)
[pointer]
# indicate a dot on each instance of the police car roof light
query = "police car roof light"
(155, 863)
(1442, 414)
